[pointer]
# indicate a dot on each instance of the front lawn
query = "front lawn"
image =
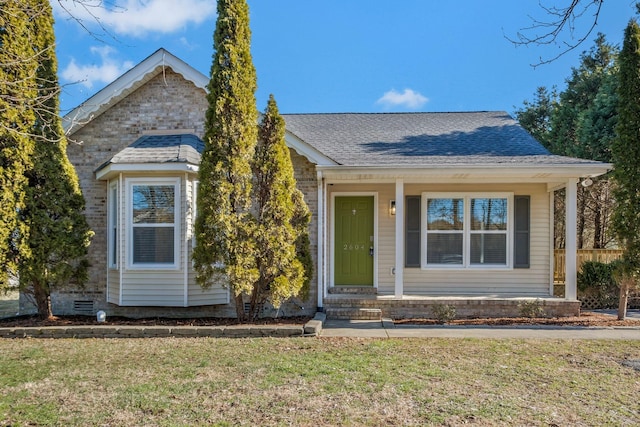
(319, 382)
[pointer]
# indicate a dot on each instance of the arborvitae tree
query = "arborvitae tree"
(225, 224)
(626, 160)
(58, 234)
(18, 65)
(282, 217)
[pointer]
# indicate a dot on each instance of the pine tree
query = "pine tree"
(18, 89)
(626, 160)
(224, 224)
(58, 233)
(282, 217)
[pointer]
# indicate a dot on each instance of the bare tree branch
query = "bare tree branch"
(562, 20)
(90, 7)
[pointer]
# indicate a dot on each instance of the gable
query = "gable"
(156, 64)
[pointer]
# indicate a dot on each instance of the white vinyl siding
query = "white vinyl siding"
(492, 281)
(460, 281)
(155, 284)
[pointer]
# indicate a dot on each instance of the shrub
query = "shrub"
(532, 308)
(597, 279)
(444, 313)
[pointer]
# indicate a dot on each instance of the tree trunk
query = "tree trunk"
(581, 216)
(240, 309)
(43, 301)
(624, 297)
(597, 229)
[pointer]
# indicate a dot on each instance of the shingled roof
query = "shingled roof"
(184, 148)
(414, 139)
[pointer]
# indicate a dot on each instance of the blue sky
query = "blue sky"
(338, 55)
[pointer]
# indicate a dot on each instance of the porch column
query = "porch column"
(399, 262)
(570, 245)
(320, 240)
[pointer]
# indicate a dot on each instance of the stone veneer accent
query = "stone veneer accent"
(164, 103)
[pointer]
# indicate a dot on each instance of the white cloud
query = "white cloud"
(407, 99)
(105, 72)
(137, 17)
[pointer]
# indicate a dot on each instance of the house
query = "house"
(409, 209)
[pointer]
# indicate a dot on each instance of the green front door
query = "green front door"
(354, 241)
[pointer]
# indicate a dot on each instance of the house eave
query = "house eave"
(113, 169)
(538, 173)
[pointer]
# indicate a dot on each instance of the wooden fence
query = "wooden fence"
(601, 255)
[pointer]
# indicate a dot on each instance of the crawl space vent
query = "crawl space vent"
(83, 307)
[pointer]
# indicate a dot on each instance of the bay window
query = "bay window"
(153, 222)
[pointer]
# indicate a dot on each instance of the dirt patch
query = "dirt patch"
(34, 321)
(586, 318)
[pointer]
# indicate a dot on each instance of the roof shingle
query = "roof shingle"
(413, 139)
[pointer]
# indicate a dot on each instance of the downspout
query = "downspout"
(552, 242)
(320, 265)
(185, 239)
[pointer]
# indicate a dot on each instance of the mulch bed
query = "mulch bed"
(34, 321)
(586, 318)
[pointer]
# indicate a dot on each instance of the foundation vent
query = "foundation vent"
(83, 307)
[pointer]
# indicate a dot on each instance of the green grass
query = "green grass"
(321, 382)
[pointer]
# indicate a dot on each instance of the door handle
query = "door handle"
(371, 250)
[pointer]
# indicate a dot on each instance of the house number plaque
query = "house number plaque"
(352, 247)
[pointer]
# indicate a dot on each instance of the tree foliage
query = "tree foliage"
(17, 79)
(224, 223)
(52, 235)
(250, 215)
(282, 217)
(580, 122)
(626, 158)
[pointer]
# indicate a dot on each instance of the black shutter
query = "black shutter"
(522, 231)
(412, 232)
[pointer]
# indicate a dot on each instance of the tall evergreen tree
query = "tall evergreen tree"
(18, 65)
(626, 159)
(224, 224)
(535, 116)
(281, 214)
(580, 122)
(58, 233)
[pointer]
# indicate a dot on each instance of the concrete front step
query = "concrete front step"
(355, 290)
(354, 313)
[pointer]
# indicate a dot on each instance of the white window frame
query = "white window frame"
(467, 232)
(175, 182)
(113, 219)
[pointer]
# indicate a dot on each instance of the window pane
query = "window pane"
(445, 214)
(114, 225)
(153, 245)
(488, 248)
(489, 214)
(444, 248)
(153, 204)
